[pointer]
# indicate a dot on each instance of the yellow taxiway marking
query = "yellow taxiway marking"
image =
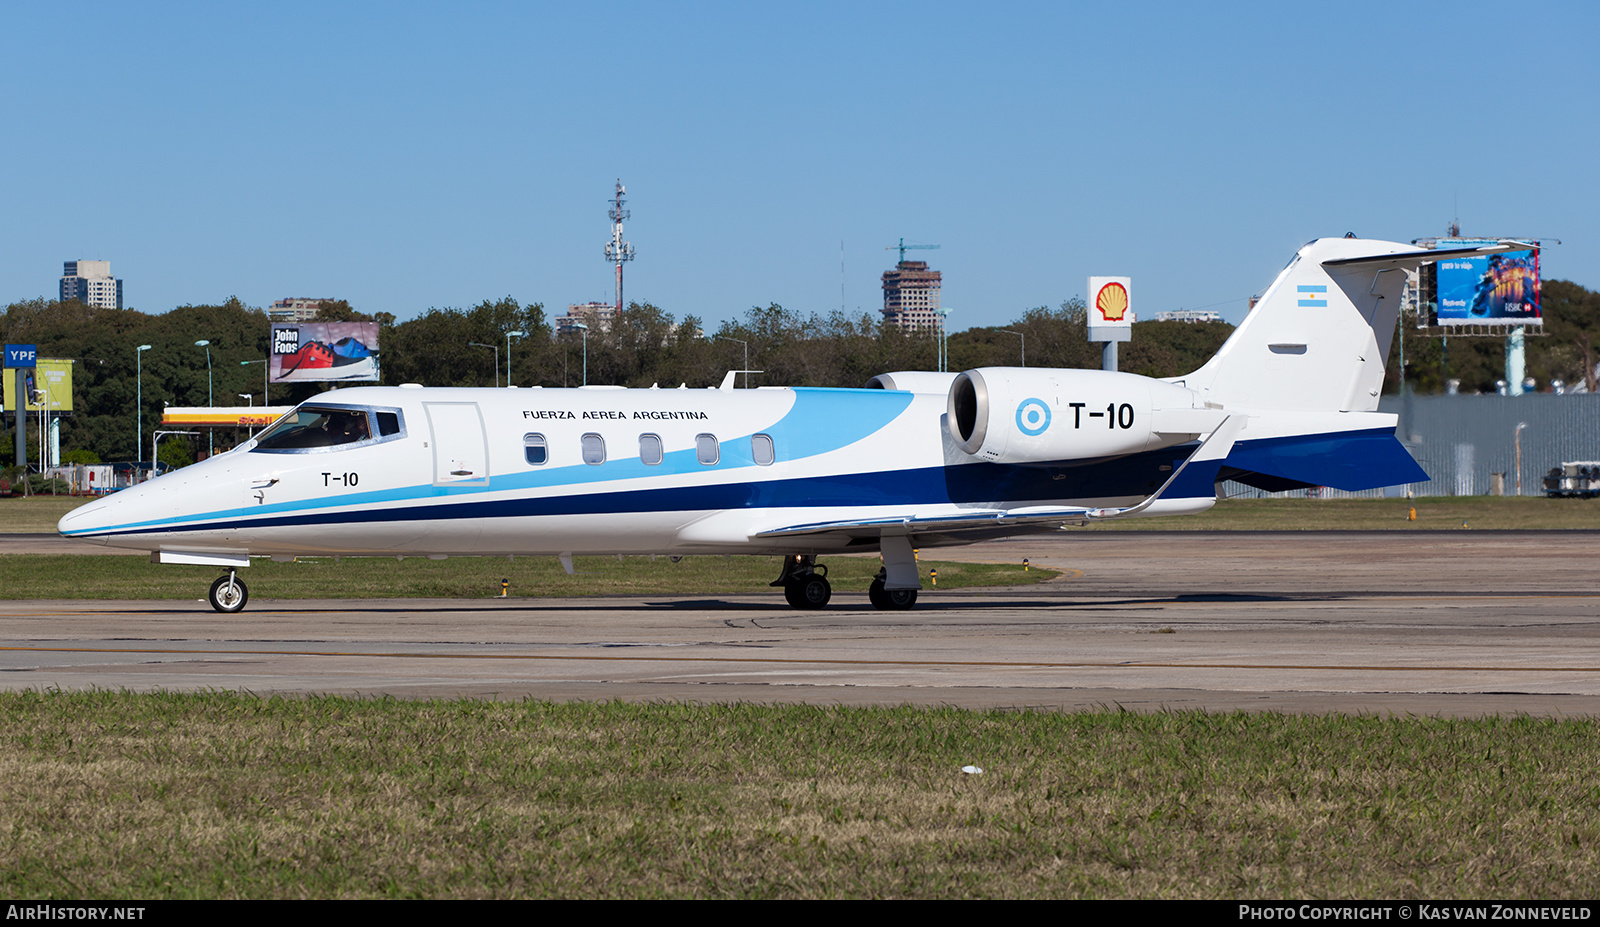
(831, 661)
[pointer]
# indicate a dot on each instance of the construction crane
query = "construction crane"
(903, 248)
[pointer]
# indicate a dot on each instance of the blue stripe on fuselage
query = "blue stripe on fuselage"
(1343, 460)
(979, 483)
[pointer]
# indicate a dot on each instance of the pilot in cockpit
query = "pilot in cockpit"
(355, 428)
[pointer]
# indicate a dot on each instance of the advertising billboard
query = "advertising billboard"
(1492, 289)
(320, 351)
(53, 378)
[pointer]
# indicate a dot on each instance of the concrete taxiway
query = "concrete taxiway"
(1439, 623)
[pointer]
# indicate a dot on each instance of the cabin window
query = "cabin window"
(706, 450)
(650, 449)
(535, 449)
(594, 449)
(761, 450)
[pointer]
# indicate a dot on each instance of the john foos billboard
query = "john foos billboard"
(316, 351)
(1494, 289)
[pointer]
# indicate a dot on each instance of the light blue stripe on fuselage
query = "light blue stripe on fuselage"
(818, 422)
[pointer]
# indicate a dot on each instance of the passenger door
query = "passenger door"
(460, 449)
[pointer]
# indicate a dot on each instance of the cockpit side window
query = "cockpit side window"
(318, 428)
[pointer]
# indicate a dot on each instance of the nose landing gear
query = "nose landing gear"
(228, 593)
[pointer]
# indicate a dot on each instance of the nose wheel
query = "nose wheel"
(228, 594)
(809, 590)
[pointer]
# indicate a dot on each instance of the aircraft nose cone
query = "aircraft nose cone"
(82, 521)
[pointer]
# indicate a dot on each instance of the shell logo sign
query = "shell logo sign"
(1112, 302)
(1110, 309)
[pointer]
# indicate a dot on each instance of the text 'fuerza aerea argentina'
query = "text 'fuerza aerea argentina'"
(610, 414)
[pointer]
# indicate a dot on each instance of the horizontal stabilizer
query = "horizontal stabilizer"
(1412, 259)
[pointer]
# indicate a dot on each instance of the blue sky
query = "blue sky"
(406, 155)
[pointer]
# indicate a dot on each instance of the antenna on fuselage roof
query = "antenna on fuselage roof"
(727, 381)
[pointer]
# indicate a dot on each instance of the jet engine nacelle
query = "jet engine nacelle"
(1023, 415)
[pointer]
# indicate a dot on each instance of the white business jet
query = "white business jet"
(920, 460)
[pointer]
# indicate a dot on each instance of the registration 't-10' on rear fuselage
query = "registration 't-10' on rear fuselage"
(923, 460)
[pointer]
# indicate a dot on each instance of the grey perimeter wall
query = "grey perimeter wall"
(1461, 440)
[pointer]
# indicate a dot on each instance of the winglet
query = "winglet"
(727, 381)
(1194, 477)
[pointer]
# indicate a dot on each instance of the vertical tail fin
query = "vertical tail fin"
(1318, 339)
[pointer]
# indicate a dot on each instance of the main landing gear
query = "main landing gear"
(228, 593)
(890, 600)
(803, 586)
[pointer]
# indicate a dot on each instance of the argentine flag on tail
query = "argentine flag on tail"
(1313, 297)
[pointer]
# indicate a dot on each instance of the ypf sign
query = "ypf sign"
(1110, 309)
(22, 355)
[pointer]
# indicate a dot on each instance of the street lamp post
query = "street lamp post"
(508, 354)
(583, 327)
(266, 372)
(138, 402)
(943, 312)
(211, 435)
(1024, 348)
(1517, 436)
(746, 370)
(496, 349)
(42, 398)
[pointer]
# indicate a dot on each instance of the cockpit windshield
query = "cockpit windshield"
(313, 427)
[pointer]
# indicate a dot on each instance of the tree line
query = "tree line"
(643, 346)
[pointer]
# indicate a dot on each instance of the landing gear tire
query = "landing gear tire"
(228, 594)
(895, 600)
(808, 590)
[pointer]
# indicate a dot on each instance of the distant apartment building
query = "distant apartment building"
(911, 297)
(1187, 315)
(598, 316)
(295, 309)
(91, 283)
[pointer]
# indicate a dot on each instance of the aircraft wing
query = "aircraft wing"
(975, 522)
(1194, 476)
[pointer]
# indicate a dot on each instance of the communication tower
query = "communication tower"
(618, 250)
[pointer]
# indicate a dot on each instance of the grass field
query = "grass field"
(216, 795)
(1434, 513)
(67, 576)
(35, 514)
(40, 514)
